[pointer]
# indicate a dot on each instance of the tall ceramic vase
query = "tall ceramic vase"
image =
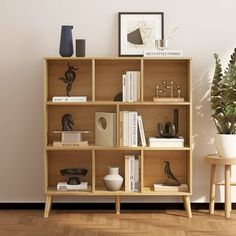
(66, 42)
(113, 181)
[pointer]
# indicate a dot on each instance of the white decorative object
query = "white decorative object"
(162, 53)
(105, 129)
(113, 181)
(70, 187)
(166, 142)
(69, 99)
(71, 136)
(226, 145)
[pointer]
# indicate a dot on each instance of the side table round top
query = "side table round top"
(215, 159)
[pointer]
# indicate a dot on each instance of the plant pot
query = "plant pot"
(113, 181)
(226, 145)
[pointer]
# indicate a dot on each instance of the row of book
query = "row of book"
(131, 86)
(130, 122)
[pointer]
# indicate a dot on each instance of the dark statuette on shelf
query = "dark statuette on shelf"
(170, 129)
(69, 78)
(73, 175)
(171, 179)
(118, 97)
(67, 122)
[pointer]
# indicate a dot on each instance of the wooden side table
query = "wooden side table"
(213, 160)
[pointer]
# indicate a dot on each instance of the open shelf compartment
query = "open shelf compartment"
(82, 85)
(58, 160)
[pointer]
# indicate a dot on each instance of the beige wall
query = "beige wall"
(30, 30)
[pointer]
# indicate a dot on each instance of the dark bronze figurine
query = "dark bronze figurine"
(69, 78)
(170, 129)
(67, 122)
(170, 175)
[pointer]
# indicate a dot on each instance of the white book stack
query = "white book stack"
(132, 173)
(162, 53)
(131, 86)
(166, 142)
(63, 186)
(69, 99)
(128, 129)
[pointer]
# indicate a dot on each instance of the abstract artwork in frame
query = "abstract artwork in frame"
(138, 31)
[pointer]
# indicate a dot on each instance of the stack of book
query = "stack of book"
(131, 86)
(132, 173)
(71, 138)
(162, 53)
(166, 142)
(63, 186)
(161, 187)
(129, 123)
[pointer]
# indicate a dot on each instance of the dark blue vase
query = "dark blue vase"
(66, 42)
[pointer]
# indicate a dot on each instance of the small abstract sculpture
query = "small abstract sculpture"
(118, 97)
(69, 78)
(170, 175)
(73, 175)
(67, 122)
(170, 129)
(167, 90)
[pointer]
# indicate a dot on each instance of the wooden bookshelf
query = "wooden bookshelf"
(100, 79)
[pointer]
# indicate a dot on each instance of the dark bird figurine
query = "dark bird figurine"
(67, 122)
(170, 175)
(69, 78)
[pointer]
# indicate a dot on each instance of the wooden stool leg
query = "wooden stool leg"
(227, 191)
(48, 205)
(187, 205)
(117, 205)
(212, 189)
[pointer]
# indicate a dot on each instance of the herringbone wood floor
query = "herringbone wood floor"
(106, 223)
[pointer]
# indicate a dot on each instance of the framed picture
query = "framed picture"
(138, 31)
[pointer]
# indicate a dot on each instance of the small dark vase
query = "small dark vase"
(66, 42)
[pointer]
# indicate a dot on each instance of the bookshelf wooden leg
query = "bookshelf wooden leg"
(227, 191)
(187, 205)
(212, 189)
(48, 205)
(117, 205)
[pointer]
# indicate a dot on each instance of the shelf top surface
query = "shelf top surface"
(93, 147)
(117, 58)
(103, 192)
(116, 103)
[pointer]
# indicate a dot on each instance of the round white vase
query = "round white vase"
(113, 181)
(226, 145)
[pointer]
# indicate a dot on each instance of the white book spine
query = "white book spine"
(138, 85)
(126, 128)
(127, 173)
(137, 174)
(124, 99)
(131, 170)
(141, 131)
(131, 86)
(130, 127)
(135, 87)
(134, 130)
(127, 84)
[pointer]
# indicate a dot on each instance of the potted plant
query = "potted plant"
(223, 105)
